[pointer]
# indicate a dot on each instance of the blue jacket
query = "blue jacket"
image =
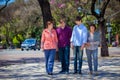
(94, 43)
(96, 36)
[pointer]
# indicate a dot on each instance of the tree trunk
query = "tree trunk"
(46, 12)
(104, 47)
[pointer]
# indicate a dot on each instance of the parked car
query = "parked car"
(30, 44)
(3, 46)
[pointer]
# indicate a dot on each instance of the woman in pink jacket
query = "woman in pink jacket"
(49, 43)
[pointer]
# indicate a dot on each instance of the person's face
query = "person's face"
(78, 22)
(62, 23)
(92, 29)
(50, 25)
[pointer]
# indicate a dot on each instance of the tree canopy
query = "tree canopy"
(24, 18)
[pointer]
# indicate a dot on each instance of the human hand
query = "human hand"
(87, 44)
(72, 46)
(56, 49)
(82, 47)
(42, 48)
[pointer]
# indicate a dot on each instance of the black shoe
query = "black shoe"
(75, 73)
(50, 73)
(62, 72)
(80, 73)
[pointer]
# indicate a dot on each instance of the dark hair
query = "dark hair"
(78, 18)
(92, 25)
(62, 17)
(48, 23)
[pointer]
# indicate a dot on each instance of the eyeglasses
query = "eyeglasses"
(49, 23)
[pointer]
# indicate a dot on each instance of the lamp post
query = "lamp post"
(95, 21)
(79, 9)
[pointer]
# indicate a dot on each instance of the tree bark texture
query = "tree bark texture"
(104, 47)
(46, 12)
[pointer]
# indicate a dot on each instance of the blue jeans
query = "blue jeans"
(64, 55)
(78, 55)
(49, 59)
(94, 54)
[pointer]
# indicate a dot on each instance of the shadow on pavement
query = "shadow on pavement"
(20, 61)
(108, 75)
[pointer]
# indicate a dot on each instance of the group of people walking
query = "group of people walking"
(62, 38)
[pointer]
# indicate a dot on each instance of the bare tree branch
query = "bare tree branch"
(93, 9)
(104, 8)
(4, 5)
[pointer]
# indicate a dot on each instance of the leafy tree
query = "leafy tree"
(27, 20)
(19, 22)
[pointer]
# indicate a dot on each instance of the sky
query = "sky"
(2, 2)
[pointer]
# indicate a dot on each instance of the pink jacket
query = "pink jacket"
(49, 39)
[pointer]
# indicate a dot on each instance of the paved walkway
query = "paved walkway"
(109, 69)
(34, 69)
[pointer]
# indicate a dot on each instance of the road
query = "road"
(12, 54)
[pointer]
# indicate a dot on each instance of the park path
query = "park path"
(33, 68)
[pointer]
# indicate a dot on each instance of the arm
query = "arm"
(72, 38)
(56, 41)
(56, 38)
(70, 33)
(42, 40)
(84, 38)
